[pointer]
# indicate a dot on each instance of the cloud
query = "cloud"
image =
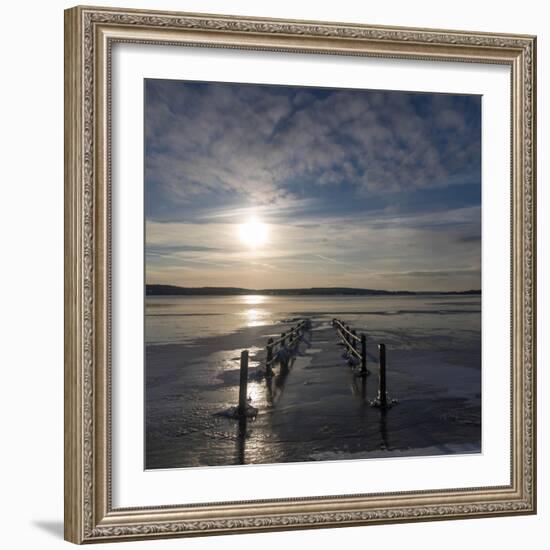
(182, 248)
(264, 144)
(436, 273)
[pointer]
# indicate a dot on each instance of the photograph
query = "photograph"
(312, 274)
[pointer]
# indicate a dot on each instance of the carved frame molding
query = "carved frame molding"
(89, 35)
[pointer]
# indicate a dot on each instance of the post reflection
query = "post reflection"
(274, 390)
(241, 440)
(275, 384)
(384, 429)
(359, 387)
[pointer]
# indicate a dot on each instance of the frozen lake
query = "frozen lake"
(319, 410)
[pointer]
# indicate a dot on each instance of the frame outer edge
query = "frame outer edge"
(73, 182)
(85, 498)
(531, 267)
(534, 274)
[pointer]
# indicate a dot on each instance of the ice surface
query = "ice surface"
(317, 409)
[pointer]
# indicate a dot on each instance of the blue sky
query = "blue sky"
(370, 189)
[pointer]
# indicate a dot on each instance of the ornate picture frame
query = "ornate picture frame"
(90, 34)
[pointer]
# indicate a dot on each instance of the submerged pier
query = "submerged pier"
(284, 350)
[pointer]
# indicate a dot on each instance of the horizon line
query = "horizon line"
(477, 290)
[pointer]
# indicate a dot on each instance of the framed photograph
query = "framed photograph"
(300, 274)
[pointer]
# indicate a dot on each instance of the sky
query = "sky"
(264, 186)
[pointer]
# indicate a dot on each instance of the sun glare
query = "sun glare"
(253, 233)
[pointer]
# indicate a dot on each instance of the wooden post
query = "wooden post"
(363, 355)
(243, 384)
(382, 375)
(283, 338)
(269, 358)
(354, 341)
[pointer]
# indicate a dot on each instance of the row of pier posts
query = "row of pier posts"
(351, 340)
(289, 338)
(356, 345)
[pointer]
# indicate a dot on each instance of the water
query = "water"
(318, 410)
(184, 319)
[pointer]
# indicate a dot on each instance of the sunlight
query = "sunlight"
(253, 233)
(252, 317)
(255, 317)
(253, 299)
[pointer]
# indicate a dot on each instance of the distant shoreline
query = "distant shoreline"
(173, 290)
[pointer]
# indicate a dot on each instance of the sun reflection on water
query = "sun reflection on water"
(254, 299)
(255, 392)
(255, 317)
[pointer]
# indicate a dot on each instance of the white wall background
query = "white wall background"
(31, 277)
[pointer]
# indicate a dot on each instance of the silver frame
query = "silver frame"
(89, 36)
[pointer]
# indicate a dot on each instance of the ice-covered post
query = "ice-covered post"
(269, 358)
(243, 384)
(284, 360)
(382, 375)
(363, 355)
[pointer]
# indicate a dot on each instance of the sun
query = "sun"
(253, 233)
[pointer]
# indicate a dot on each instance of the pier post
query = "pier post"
(269, 358)
(382, 375)
(283, 338)
(363, 355)
(353, 340)
(243, 383)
